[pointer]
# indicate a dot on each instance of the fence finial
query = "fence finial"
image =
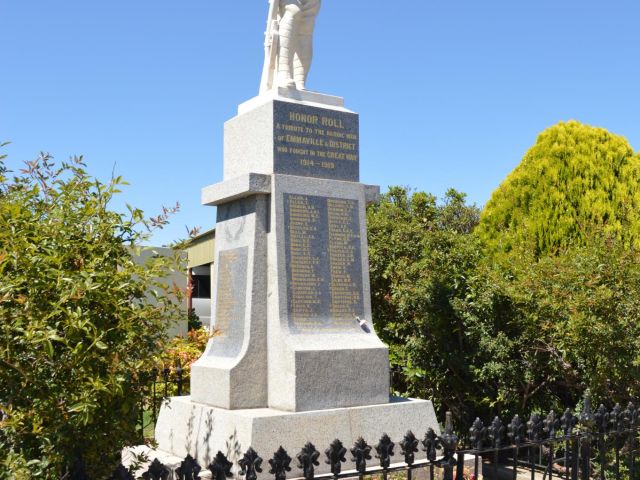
(251, 464)
(384, 451)
(409, 446)
(361, 452)
(587, 419)
(308, 460)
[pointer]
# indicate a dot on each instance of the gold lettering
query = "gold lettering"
(318, 300)
(303, 118)
(331, 122)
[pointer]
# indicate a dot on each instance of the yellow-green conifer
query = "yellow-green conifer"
(575, 180)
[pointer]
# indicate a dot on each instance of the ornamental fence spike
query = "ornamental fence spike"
(220, 468)
(516, 430)
(495, 432)
(551, 425)
(384, 450)
(335, 456)
(587, 419)
(308, 460)
(361, 452)
(188, 469)
(280, 464)
(535, 428)
(477, 433)
(430, 444)
(449, 441)
(157, 471)
(602, 419)
(250, 464)
(568, 421)
(409, 447)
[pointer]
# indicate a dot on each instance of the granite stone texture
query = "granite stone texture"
(246, 185)
(290, 138)
(203, 431)
(372, 193)
(248, 143)
(302, 342)
(239, 352)
(322, 357)
(296, 357)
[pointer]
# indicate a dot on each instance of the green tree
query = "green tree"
(421, 254)
(553, 307)
(80, 317)
(544, 330)
(484, 335)
(575, 179)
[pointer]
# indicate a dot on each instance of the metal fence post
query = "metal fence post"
(179, 376)
(449, 443)
(587, 423)
(142, 391)
(154, 378)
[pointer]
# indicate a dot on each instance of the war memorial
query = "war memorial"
(297, 358)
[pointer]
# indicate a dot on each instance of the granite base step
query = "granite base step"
(186, 427)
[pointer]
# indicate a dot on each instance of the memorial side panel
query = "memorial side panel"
(231, 291)
(316, 142)
(324, 262)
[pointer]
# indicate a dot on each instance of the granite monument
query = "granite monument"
(296, 358)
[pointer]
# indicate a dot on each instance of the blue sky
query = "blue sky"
(450, 93)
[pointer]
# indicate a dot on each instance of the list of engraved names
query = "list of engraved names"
(324, 263)
(344, 252)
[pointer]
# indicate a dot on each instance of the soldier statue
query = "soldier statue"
(289, 43)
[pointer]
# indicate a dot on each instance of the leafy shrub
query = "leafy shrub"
(193, 320)
(183, 351)
(80, 317)
(421, 254)
(542, 331)
(482, 334)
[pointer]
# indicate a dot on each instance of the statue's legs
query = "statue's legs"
(289, 11)
(304, 42)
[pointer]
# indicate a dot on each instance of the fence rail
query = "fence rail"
(158, 385)
(601, 444)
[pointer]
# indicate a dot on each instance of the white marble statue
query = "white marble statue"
(289, 43)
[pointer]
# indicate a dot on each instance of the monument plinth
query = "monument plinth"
(296, 359)
(292, 270)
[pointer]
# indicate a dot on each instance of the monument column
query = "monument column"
(308, 281)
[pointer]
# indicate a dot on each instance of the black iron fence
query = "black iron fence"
(601, 444)
(158, 385)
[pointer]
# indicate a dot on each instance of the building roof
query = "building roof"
(200, 249)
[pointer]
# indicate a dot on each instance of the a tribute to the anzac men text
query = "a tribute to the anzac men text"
(324, 262)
